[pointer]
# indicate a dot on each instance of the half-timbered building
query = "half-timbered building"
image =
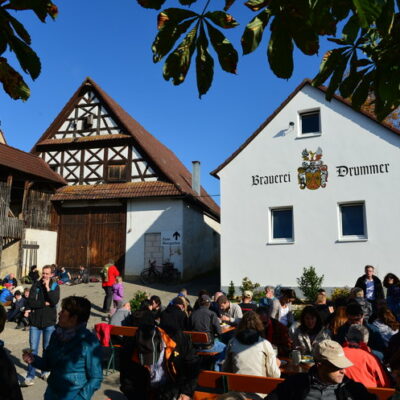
(27, 229)
(128, 197)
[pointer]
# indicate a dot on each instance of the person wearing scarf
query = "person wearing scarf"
(73, 355)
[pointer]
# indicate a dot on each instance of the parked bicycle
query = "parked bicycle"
(165, 272)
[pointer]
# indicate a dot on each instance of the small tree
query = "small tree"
(247, 284)
(310, 282)
(231, 291)
(137, 299)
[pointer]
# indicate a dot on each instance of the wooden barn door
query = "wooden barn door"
(91, 236)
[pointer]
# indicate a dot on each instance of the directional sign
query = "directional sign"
(171, 238)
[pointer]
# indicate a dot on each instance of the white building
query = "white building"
(317, 184)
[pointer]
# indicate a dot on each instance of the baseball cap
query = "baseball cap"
(331, 351)
(205, 298)
(247, 293)
(7, 284)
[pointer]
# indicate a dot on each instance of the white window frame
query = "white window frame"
(271, 239)
(352, 238)
(300, 134)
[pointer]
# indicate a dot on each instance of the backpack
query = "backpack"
(104, 272)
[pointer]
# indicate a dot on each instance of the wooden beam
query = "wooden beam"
(9, 180)
(27, 186)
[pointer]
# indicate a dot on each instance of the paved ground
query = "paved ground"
(16, 339)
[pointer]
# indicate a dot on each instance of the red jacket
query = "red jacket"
(112, 273)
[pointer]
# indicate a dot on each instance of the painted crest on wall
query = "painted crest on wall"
(313, 173)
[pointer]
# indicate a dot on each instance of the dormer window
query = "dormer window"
(116, 172)
(310, 123)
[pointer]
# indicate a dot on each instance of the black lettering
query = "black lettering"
(256, 180)
(356, 170)
(374, 169)
(276, 178)
(288, 177)
(364, 170)
(351, 171)
(342, 170)
(280, 178)
(265, 180)
(387, 167)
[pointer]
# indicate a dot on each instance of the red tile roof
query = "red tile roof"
(28, 163)
(128, 190)
(279, 109)
(162, 157)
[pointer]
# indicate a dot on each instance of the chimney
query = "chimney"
(196, 176)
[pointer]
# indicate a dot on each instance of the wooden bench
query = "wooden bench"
(211, 384)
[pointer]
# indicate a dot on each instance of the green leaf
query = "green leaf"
(361, 93)
(12, 81)
(280, 50)
(253, 33)
(154, 4)
(41, 8)
(385, 21)
(204, 64)
(177, 64)
(368, 11)
(7, 20)
(341, 9)
(222, 19)
(187, 2)
(349, 84)
(3, 44)
(20, 30)
(351, 29)
(167, 37)
(306, 39)
(228, 4)
(27, 58)
(256, 5)
(227, 55)
(337, 75)
(327, 66)
(173, 16)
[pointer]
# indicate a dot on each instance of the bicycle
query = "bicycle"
(165, 272)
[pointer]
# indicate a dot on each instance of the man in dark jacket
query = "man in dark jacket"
(42, 303)
(9, 387)
(372, 286)
(174, 319)
(326, 380)
(158, 366)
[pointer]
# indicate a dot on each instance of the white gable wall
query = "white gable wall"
(348, 138)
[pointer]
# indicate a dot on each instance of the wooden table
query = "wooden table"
(291, 369)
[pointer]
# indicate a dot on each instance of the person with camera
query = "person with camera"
(42, 304)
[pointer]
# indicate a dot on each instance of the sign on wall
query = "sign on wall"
(171, 238)
(313, 173)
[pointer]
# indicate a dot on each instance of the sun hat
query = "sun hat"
(247, 293)
(205, 298)
(331, 351)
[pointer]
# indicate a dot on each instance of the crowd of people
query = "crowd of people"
(353, 340)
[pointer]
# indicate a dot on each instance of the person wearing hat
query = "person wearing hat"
(6, 294)
(158, 366)
(205, 320)
(325, 380)
(247, 302)
(174, 318)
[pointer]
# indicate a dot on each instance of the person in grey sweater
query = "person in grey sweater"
(121, 315)
(231, 313)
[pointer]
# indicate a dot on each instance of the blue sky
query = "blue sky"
(110, 42)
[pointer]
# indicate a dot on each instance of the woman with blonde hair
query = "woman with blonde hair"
(248, 352)
(339, 319)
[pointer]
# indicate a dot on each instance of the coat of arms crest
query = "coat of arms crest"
(313, 173)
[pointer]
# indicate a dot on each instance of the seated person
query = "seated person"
(355, 315)
(64, 276)
(83, 275)
(247, 302)
(154, 365)
(231, 313)
(325, 380)
(282, 307)
(17, 309)
(366, 368)
(33, 274)
(248, 352)
(10, 278)
(122, 315)
(205, 320)
(323, 308)
(310, 330)
(275, 332)
(386, 323)
(357, 296)
(269, 298)
(174, 318)
(6, 294)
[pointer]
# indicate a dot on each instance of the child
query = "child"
(118, 293)
(17, 310)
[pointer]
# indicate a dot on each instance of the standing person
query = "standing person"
(269, 298)
(325, 380)
(392, 284)
(42, 302)
(247, 302)
(33, 274)
(372, 286)
(282, 308)
(9, 387)
(108, 278)
(118, 292)
(73, 355)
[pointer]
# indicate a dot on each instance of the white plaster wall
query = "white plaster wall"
(201, 251)
(150, 216)
(348, 138)
(47, 241)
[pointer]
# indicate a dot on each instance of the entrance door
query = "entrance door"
(91, 236)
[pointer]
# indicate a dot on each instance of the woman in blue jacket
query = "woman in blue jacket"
(73, 355)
